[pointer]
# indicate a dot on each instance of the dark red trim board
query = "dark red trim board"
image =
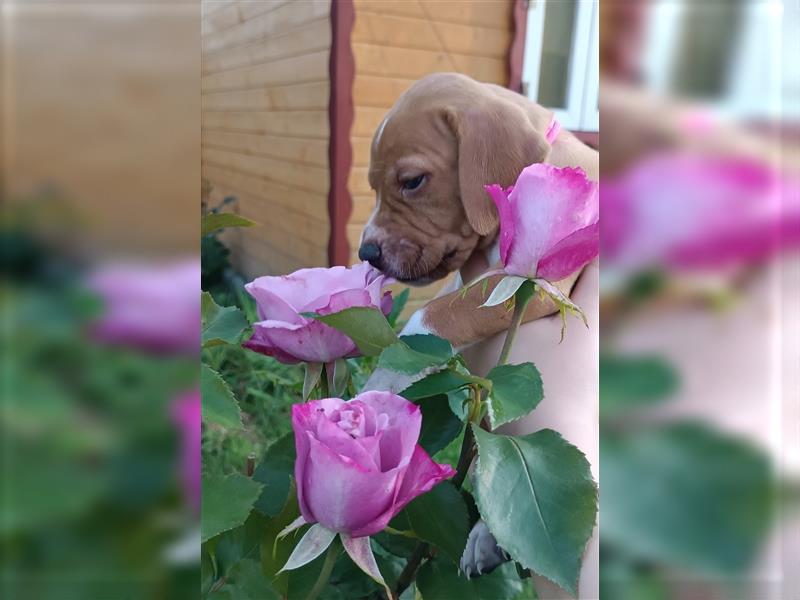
(516, 52)
(340, 115)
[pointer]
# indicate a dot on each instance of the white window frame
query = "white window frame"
(583, 82)
(758, 88)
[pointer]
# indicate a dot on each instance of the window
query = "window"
(561, 65)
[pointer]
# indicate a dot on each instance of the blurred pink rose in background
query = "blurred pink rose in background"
(358, 462)
(186, 413)
(689, 212)
(548, 222)
(149, 306)
(289, 337)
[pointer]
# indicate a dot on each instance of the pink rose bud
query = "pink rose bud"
(358, 462)
(153, 307)
(286, 335)
(548, 222)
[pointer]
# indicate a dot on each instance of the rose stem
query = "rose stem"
(325, 574)
(521, 299)
(464, 461)
(410, 570)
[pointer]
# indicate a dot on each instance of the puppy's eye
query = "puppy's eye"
(409, 185)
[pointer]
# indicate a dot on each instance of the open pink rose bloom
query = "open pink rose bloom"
(286, 335)
(548, 222)
(358, 462)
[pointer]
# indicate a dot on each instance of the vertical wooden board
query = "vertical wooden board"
(481, 13)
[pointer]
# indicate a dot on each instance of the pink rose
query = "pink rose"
(548, 222)
(186, 413)
(290, 337)
(154, 307)
(693, 212)
(358, 462)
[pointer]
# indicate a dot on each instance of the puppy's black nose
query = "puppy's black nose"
(371, 253)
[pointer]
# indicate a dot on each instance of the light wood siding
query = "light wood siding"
(265, 130)
(396, 43)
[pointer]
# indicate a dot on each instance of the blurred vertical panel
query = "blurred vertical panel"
(99, 294)
(701, 265)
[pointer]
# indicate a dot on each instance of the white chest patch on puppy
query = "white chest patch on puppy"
(416, 325)
(493, 254)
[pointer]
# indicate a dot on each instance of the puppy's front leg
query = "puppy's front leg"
(462, 320)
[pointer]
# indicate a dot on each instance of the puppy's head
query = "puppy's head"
(443, 140)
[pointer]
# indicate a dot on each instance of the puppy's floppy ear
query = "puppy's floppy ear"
(495, 142)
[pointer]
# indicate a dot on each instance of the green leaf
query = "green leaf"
(440, 517)
(537, 496)
(366, 326)
(440, 580)
(312, 375)
(339, 378)
(240, 543)
(219, 405)
(221, 325)
(504, 290)
(685, 495)
(414, 353)
(630, 382)
(398, 304)
(226, 502)
(516, 391)
(442, 382)
(214, 221)
(439, 425)
(275, 472)
(246, 581)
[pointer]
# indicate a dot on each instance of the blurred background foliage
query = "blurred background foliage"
(90, 504)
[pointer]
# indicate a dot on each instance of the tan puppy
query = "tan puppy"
(443, 140)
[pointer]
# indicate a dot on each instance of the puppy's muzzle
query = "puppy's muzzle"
(371, 253)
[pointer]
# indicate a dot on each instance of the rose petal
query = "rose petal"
(269, 305)
(506, 215)
(342, 495)
(570, 254)
(401, 435)
(335, 438)
(420, 477)
(548, 204)
(311, 341)
(302, 419)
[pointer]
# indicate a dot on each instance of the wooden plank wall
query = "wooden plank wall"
(396, 43)
(265, 93)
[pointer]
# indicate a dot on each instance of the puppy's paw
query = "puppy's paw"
(482, 555)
